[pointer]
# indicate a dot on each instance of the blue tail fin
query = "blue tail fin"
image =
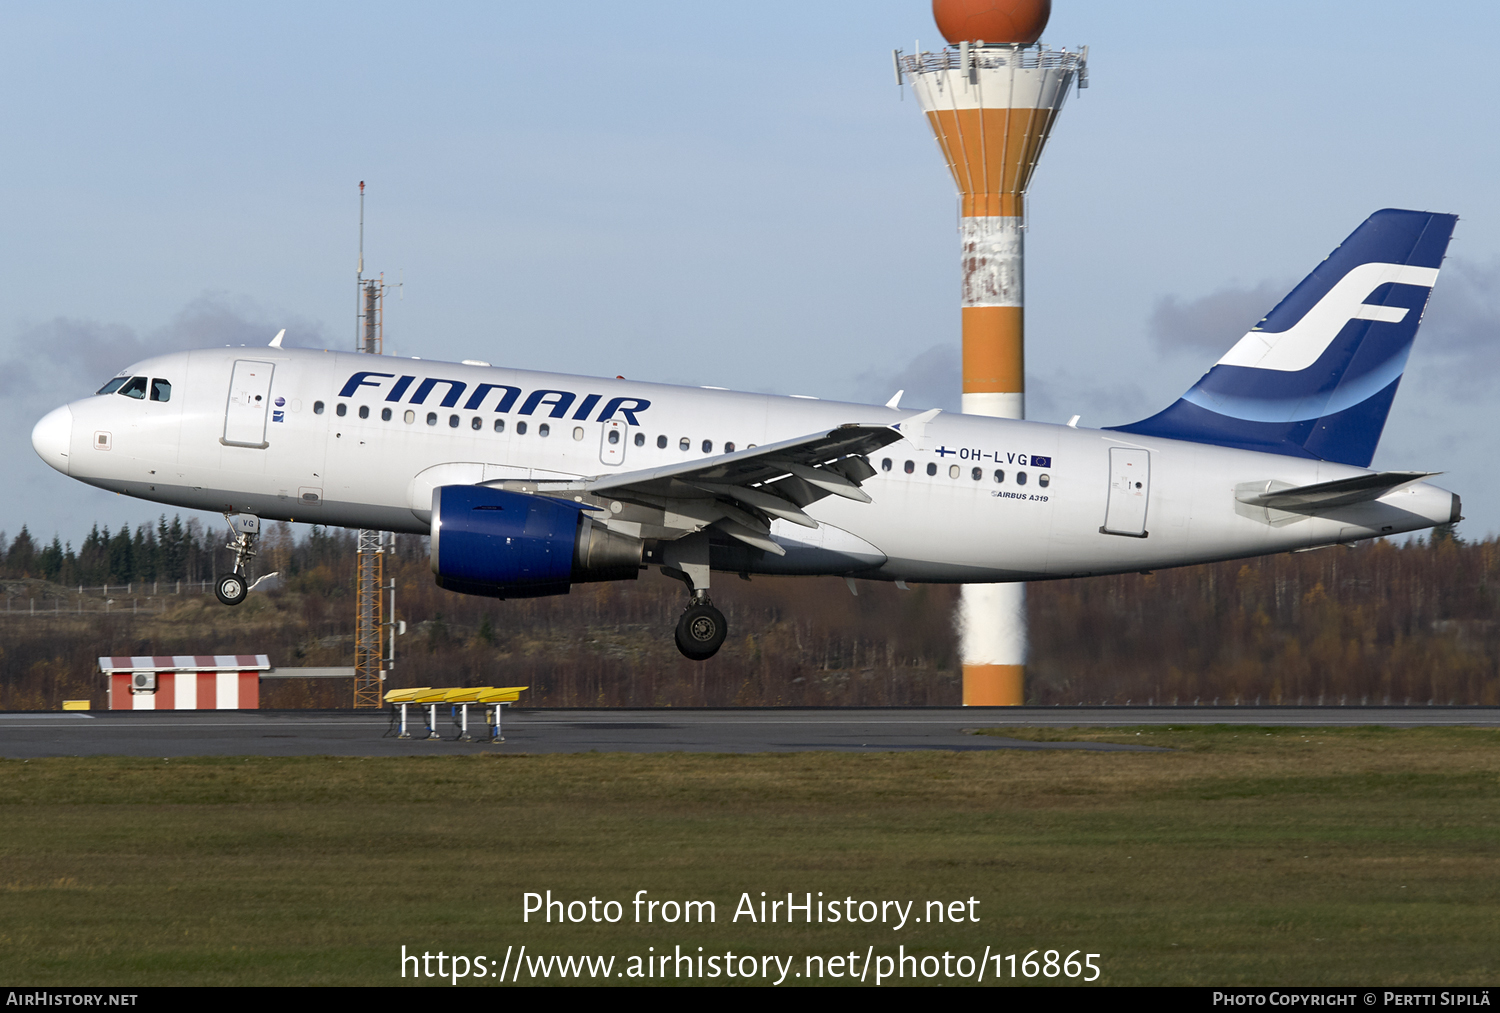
(1316, 377)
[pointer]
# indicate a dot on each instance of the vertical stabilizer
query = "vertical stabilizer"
(1317, 376)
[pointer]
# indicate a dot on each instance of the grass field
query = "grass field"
(1239, 856)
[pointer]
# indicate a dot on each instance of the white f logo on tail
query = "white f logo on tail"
(1300, 345)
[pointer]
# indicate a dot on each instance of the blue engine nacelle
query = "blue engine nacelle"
(518, 545)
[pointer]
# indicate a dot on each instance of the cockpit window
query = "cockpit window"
(135, 387)
(113, 385)
(161, 390)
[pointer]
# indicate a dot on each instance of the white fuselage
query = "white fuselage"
(1037, 509)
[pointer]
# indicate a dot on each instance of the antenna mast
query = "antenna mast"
(369, 312)
(372, 592)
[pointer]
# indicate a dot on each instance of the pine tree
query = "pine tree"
(21, 560)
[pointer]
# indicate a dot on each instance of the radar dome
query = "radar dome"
(1013, 21)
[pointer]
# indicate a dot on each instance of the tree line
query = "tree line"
(161, 552)
(1376, 622)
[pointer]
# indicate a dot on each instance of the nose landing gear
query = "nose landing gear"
(232, 588)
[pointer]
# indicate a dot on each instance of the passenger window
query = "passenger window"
(999, 475)
(499, 425)
(931, 469)
(640, 439)
(729, 447)
(578, 433)
(317, 407)
(432, 418)
(952, 471)
(161, 390)
(978, 474)
(477, 423)
(520, 429)
(341, 410)
(1020, 478)
(544, 429)
(409, 417)
(113, 385)
(614, 436)
(452, 421)
(684, 444)
(885, 465)
(1044, 480)
(364, 411)
(661, 443)
(135, 387)
(385, 414)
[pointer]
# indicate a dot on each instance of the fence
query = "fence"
(98, 601)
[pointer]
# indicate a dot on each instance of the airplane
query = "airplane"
(530, 482)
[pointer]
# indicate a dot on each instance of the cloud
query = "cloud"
(1063, 393)
(63, 359)
(933, 379)
(1461, 327)
(48, 364)
(1213, 322)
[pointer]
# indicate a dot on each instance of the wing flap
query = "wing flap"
(749, 488)
(756, 465)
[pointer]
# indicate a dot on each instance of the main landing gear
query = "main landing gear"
(232, 588)
(702, 628)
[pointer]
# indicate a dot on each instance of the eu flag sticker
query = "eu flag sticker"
(1040, 462)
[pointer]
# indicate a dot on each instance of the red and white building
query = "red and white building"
(185, 682)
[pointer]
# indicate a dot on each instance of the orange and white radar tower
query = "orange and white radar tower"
(991, 97)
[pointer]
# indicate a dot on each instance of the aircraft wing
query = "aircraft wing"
(741, 493)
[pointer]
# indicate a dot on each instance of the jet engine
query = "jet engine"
(518, 545)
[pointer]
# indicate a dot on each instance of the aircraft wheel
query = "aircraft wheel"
(701, 632)
(231, 589)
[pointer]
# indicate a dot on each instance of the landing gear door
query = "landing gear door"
(1129, 491)
(612, 442)
(249, 400)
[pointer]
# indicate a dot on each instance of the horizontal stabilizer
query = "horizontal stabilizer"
(1325, 495)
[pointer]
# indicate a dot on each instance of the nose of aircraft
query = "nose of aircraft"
(51, 437)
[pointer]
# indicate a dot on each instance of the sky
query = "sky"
(727, 194)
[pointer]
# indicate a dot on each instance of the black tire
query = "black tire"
(231, 589)
(701, 632)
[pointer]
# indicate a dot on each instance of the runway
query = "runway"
(749, 730)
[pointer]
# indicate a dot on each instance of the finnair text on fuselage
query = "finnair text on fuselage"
(555, 403)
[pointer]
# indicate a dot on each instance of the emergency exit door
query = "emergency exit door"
(1129, 491)
(249, 400)
(612, 442)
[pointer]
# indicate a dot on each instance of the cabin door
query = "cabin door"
(249, 400)
(1129, 491)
